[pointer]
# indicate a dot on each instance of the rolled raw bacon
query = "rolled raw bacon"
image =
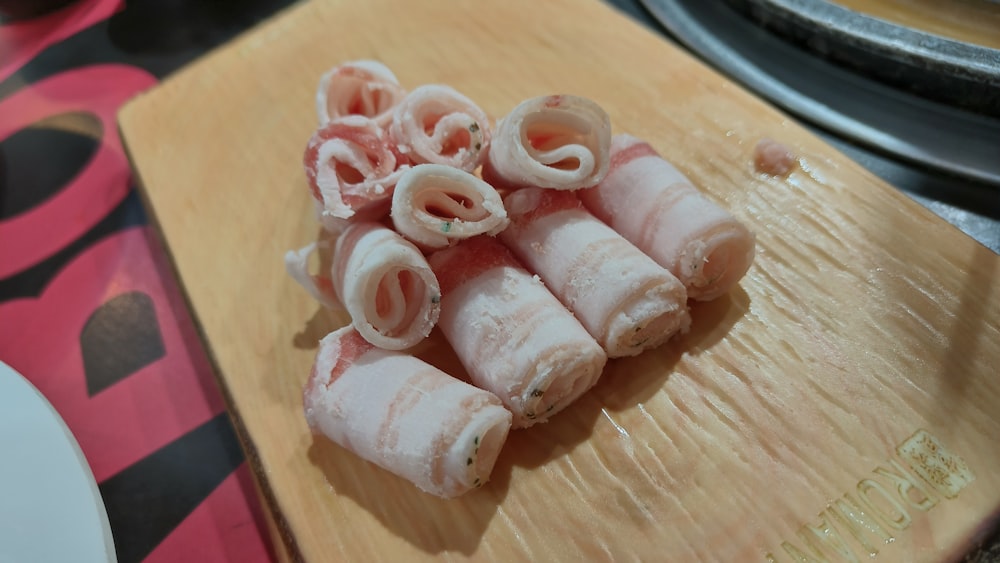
(628, 302)
(320, 287)
(365, 88)
(386, 285)
(511, 334)
(435, 206)
(657, 208)
(404, 415)
(436, 124)
(558, 142)
(352, 167)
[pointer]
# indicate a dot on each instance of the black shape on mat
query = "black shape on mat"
(156, 35)
(32, 281)
(38, 161)
(22, 10)
(120, 337)
(148, 500)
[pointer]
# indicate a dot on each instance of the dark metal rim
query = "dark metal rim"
(880, 36)
(918, 145)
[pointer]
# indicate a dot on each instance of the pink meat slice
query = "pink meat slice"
(557, 142)
(364, 88)
(628, 302)
(435, 206)
(404, 415)
(436, 124)
(658, 209)
(352, 167)
(773, 158)
(320, 287)
(511, 334)
(386, 285)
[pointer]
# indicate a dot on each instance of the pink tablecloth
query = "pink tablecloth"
(89, 311)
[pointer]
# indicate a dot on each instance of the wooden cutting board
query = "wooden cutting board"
(842, 401)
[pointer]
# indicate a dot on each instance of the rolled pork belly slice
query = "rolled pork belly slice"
(556, 142)
(352, 168)
(386, 285)
(659, 210)
(513, 337)
(404, 414)
(436, 124)
(319, 287)
(364, 88)
(435, 206)
(627, 302)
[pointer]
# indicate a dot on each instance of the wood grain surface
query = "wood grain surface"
(841, 402)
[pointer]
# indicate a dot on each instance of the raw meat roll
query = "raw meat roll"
(628, 302)
(404, 415)
(512, 335)
(436, 124)
(365, 88)
(386, 285)
(435, 206)
(558, 142)
(352, 167)
(657, 208)
(320, 287)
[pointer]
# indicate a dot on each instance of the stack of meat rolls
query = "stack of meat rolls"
(540, 248)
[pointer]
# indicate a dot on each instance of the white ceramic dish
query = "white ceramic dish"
(50, 506)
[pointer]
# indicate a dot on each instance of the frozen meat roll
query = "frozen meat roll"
(386, 285)
(628, 302)
(319, 286)
(404, 415)
(658, 209)
(513, 337)
(436, 124)
(365, 88)
(557, 142)
(352, 167)
(435, 206)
